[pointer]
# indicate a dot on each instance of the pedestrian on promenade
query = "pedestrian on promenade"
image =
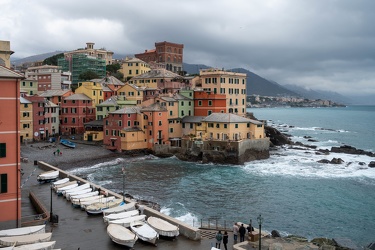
(58, 152)
(235, 232)
(219, 237)
(242, 231)
(225, 240)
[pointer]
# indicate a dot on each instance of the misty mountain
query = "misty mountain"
(19, 61)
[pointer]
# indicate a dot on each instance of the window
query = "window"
(3, 150)
(73, 120)
(106, 132)
(225, 125)
(129, 123)
(160, 123)
(3, 183)
(210, 125)
(119, 123)
(199, 103)
(209, 112)
(217, 125)
(236, 125)
(209, 103)
(171, 130)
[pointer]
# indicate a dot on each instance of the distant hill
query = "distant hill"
(34, 58)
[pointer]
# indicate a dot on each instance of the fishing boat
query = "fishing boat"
(37, 246)
(122, 215)
(84, 195)
(56, 187)
(164, 228)
(121, 235)
(23, 231)
(123, 207)
(97, 208)
(77, 188)
(101, 200)
(125, 222)
(48, 176)
(76, 201)
(67, 143)
(144, 231)
(62, 181)
(79, 192)
(59, 191)
(25, 239)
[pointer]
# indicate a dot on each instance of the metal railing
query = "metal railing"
(213, 224)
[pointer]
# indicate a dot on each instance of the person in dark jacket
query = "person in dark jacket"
(218, 237)
(242, 232)
(225, 240)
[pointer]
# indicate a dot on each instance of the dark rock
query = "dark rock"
(362, 163)
(336, 161)
(372, 164)
(276, 138)
(312, 140)
(324, 161)
(323, 242)
(324, 151)
(275, 233)
(307, 137)
(351, 150)
(297, 238)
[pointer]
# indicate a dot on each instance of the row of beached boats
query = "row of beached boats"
(30, 238)
(125, 224)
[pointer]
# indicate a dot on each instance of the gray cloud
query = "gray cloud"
(317, 44)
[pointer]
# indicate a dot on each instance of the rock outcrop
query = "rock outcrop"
(351, 150)
(276, 137)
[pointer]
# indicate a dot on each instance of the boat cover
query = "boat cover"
(79, 192)
(122, 215)
(144, 231)
(126, 221)
(25, 239)
(64, 185)
(37, 246)
(85, 195)
(100, 205)
(78, 188)
(23, 231)
(122, 208)
(62, 181)
(121, 235)
(163, 227)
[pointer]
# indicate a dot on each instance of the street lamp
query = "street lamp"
(260, 221)
(50, 213)
(123, 183)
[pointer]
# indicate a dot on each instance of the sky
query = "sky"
(318, 44)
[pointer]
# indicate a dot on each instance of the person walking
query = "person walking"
(225, 240)
(219, 237)
(235, 232)
(242, 231)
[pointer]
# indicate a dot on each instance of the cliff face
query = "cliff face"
(276, 138)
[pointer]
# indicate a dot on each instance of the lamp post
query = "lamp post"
(123, 183)
(260, 221)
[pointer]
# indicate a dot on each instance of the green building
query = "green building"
(79, 63)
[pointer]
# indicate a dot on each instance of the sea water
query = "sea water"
(292, 191)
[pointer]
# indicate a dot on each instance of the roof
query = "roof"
(126, 110)
(8, 73)
(112, 101)
(132, 129)
(157, 73)
(108, 80)
(229, 118)
(24, 101)
(154, 107)
(78, 97)
(181, 97)
(134, 59)
(57, 92)
(168, 99)
(96, 123)
(50, 104)
(192, 119)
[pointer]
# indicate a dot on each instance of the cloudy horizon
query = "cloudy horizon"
(326, 45)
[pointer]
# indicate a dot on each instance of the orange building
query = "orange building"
(10, 166)
(206, 103)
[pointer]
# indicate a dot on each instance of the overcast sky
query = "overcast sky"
(319, 44)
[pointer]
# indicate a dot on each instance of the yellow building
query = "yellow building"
(132, 93)
(29, 86)
(26, 120)
(93, 90)
(155, 78)
(89, 50)
(232, 84)
(132, 67)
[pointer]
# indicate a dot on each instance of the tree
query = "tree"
(113, 68)
(88, 75)
(53, 59)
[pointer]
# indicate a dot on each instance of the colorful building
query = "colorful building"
(49, 77)
(56, 96)
(89, 50)
(91, 89)
(132, 93)
(163, 79)
(38, 104)
(10, 165)
(132, 67)
(206, 103)
(26, 120)
(29, 86)
(112, 104)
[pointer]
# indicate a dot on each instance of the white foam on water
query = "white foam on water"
(90, 169)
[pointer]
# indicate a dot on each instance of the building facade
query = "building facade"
(132, 67)
(49, 77)
(89, 50)
(26, 120)
(5, 53)
(10, 165)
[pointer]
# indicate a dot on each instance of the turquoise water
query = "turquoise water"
(294, 193)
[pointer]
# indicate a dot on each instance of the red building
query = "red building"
(10, 166)
(76, 110)
(206, 103)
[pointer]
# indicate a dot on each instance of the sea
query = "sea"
(293, 193)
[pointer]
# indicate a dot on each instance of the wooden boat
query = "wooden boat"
(122, 215)
(123, 207)
(48, 176)
(144, 231)
(64, 185)
(59, 191)
(125, 222)
(164, 228)
(62, 181)
(23, 231)
(84, 195)
(25, 239)
(37, 246)
(121, 235)
(76, 202)
(97, 208)
(67, 143)
(77, 188)
(79, 192)
(101, 200)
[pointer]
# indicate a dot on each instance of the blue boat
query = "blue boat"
(67, 143)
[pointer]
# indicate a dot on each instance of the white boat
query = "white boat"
(25, 239)
(125, 222)
(84, 195)
(76, 202)
(78, 188)
(97, 208)
(123, 207)
(37, 246)
(48, 176)
(63, 185)
(23, 231)
(164, 228)
(101, 200)
(122, 215)
(121, 235)
(79, 192)
(59, 191)
(62, 181)
(144, 231)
